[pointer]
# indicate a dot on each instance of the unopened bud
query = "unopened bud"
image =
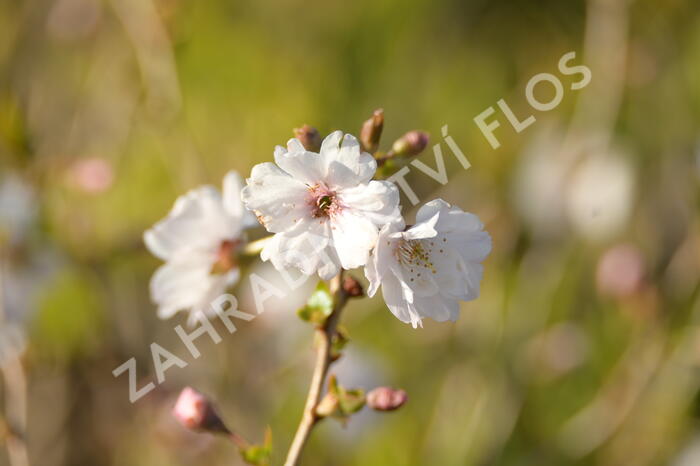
(410, 144)
(371, 131)
(309, 138)
(386, 399)
(352, 287)
(328, 406)
(194, 411)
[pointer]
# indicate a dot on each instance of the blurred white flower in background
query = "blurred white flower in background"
(556, 350)
(21, 280)
(198, 240)
(577, 183)
(601, 196)
(426, 270)
(540, 180)
(323, 208)
(689, 455)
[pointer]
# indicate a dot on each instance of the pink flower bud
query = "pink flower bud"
(352, 287)
(194, 411)
(410, 144)
(386, 399)
(309, 138)
(371, 131)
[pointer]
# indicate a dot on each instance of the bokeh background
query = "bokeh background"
(584, 347)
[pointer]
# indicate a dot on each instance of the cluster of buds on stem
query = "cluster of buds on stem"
(341, 403)
(409, 145)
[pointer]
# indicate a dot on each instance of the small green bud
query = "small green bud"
(309, 137)
(340, 402)
(259, 455)
(371, 131)
(318, 307)
(410, 144)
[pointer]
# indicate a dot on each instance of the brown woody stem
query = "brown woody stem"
(325, 335)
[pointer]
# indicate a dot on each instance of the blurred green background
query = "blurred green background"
(584, 347)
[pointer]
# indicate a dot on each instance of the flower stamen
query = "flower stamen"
(323, 201)
(413, 253)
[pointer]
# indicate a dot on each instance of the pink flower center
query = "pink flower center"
(323, 201)
(226, 257)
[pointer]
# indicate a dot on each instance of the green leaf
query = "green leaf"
(338, 342)
(259, 455)
(351, 400)
(319, 306)
(348, 401)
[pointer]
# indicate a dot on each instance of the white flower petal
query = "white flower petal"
(331, 143)
(346, 165)
(377, 200)
(301, 164)
(429, 209)
(437, 308)
(306, 248)
(308, 193)
(197, 221)
(277, 198)
(241, 217)
(463, 230)
(392, 291)
(186, 283)
(423, 230)
(427, 270)
(353, 237)
(380, 258)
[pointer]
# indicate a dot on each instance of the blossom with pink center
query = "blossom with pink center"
(324, 208)
(427, 269)
(198, 240)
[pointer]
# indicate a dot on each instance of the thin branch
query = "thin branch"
(15, 382)
(323, 361)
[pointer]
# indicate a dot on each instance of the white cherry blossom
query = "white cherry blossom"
(198, 241)
(323, 208)
(427, 269)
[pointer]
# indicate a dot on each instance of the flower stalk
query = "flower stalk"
(324, 359)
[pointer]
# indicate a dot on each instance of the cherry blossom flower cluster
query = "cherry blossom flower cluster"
(327, 212)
